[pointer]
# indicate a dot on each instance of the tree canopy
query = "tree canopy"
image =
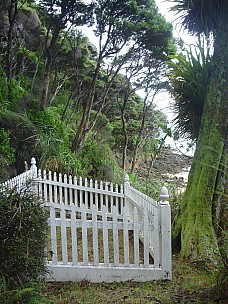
(68, 93)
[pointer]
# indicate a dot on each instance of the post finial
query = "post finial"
(126, 179)
(164, 195)
(33, 161)
(33, 168)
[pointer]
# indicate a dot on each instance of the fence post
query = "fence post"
(165, 235)
(33, 170)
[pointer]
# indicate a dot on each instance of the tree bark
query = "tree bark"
(198, 238)
(82, 129)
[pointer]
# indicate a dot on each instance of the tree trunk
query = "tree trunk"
(221, 210)
(83, 126)
(139, 138)
(198, 238)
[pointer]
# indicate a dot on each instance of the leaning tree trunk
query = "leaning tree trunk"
(198, 238)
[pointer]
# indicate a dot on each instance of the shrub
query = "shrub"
(97, 161)
(22, 242)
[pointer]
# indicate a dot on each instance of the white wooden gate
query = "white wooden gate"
(101, 232)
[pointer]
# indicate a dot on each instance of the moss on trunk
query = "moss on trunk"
(198, 238)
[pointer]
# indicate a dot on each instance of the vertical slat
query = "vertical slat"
(84, 236)
(65, 190)
(40, 192)
(151, 232)
(74, 237)
(60, 189)
(145, 237)
(125, 237)
(86, 193)
(75, 192)
(91, 194)
(117, 199)
(45, 186)
(106, 197)
(156, 245)
(105, 235)
(115, 237)
(101, 196)
(121, 200)
(95, 236)
(111, 197)
(70, 190)
(96, 195)
(63, 235)
(50, 187)
(55, 188)
(136, 237)
(81, 193)
(54, 252)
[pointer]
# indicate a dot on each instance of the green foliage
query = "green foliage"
(53, 132)
(31, 293)
(22, 242)
(47, 54)
(5, 148)
(189, 76)
(199, 16)
(3, 86)
(97, 161)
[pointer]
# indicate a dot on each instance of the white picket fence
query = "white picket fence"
(101, 232)
(20, 181)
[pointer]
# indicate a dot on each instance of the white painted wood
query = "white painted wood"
(91, 200)
(55, 189)
(145, 237)
(50, 187)
(105, 236)
(96, 196)
(115, 237)
(40, 190)
(121, 199)
(45, 186)
(111, 198)
(60, 189)
(95, 236)
(106, 198)
(54, 252)
(75, 192)
(100, 274)
(84, 236)
(136, 237)
(86, 193)
(156, 247)
(74, 237)
(166, 250)
(63, 235)
(70, 190)
(101, 195)
(125, 237)
(81, 192)
(65, 190)
(124, 210)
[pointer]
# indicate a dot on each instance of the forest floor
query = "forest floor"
(189, 285)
